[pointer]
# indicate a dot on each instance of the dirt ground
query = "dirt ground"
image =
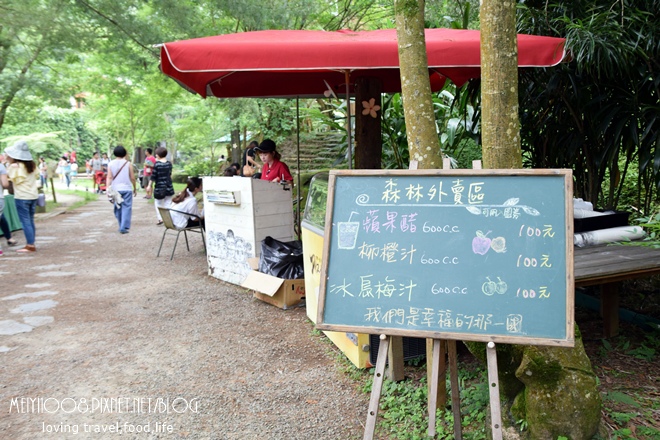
(100, 339)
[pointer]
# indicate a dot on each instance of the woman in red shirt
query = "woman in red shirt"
(273, 169)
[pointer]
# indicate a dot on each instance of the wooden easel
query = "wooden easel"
(437, 375)
(436, 367)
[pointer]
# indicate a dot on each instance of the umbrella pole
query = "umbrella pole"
(349, 128)
(298, 184)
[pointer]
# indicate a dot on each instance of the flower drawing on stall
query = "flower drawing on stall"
(370, 108)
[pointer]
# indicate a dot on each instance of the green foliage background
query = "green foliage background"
(596, 114)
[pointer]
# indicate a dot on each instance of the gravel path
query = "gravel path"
(100, 339)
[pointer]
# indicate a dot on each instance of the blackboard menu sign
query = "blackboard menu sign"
(482, 255)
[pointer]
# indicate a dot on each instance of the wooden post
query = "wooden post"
(609, 308)
(52, 188)
(376, 388)
(394, 370)
(368, 142)
(433, 384)
(440, 393)
(494, 390)
(455, 392)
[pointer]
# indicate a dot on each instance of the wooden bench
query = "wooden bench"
(607, 266)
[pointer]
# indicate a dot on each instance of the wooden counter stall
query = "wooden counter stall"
(239, 213)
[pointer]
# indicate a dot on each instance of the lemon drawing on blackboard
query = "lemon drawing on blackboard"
(498, 244)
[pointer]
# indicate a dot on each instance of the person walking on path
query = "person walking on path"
(4, 225)
(65, 170)
(104, 162)
(43, 172)
(4, 183)
(97, 169)
(161, 182)
(23, 175)
(122, 180)
(6, 231)
(147, 171)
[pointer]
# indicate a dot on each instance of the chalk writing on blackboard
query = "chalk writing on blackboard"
(481, 256)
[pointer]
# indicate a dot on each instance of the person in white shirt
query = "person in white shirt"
(184, 209)
(122, 180)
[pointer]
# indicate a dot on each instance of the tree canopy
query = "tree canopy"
(596, 114)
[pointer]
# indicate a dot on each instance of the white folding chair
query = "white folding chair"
(170, 226)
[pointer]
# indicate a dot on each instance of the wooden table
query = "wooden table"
(607, 266)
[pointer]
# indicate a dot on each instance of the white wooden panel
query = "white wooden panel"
(281, 233)
(268, 208)
(270, 193)
(225, 220)
(268, 221)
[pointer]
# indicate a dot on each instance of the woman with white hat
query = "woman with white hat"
(24, 175)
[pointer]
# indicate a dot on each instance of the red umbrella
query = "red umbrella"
(305, 63)
(287, 63)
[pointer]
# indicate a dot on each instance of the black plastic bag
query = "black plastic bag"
(282, 259)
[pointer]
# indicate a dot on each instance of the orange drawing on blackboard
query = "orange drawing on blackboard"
(481, 244)
(498, 244)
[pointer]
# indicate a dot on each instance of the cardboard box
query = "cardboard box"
(618, 218)
(273, 290)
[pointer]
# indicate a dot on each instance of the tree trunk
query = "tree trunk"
(423, 144)
(368, 141)
(500, 125)
(560, 395)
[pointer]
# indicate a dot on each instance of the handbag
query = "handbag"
(41, 200)
(160, 193)
(114, 196)
(248, 170)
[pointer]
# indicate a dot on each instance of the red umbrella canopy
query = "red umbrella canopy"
(280, 63)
